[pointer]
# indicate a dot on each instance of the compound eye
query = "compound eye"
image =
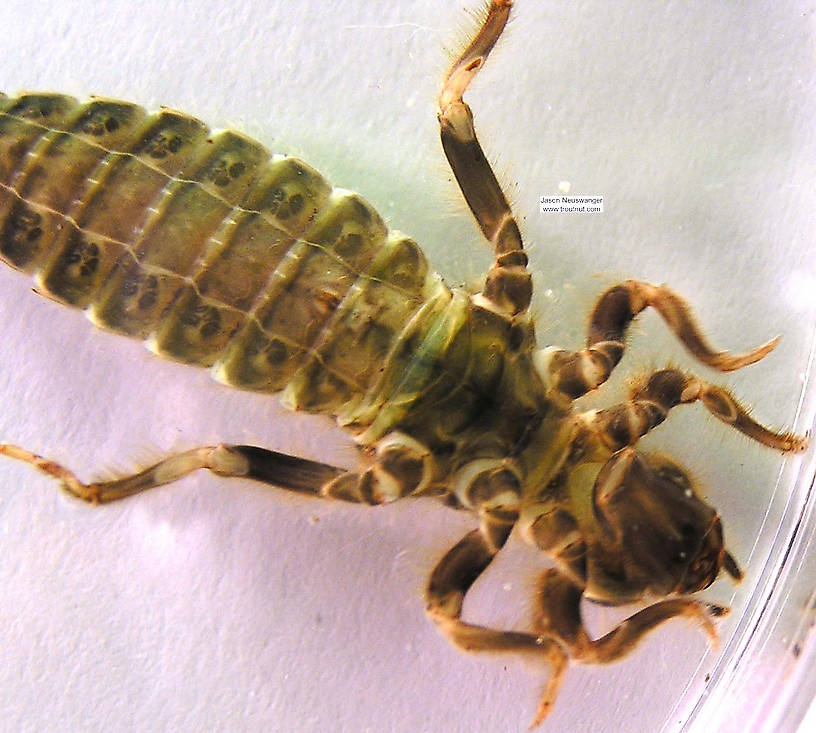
(689, 543)
(674, 474)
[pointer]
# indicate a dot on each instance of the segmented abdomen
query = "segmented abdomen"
(213, 251)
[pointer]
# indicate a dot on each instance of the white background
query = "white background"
(221, 605)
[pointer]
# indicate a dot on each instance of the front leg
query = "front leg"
(649, 404)
(559, 616)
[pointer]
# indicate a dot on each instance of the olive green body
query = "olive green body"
(220, 255)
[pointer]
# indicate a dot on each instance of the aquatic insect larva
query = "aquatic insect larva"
(218, 255)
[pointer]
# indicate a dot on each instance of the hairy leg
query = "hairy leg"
(574, 373)
(559, 616)
(508, 287)
(400, 468)
(449, 583)
(649, 405)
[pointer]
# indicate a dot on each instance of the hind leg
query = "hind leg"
(508, 287)
(401, 467)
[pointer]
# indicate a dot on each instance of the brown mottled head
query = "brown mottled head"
(653, 533)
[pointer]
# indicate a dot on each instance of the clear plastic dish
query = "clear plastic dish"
(216, 605)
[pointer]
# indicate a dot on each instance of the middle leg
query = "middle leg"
(574, 373)
(447, 587)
